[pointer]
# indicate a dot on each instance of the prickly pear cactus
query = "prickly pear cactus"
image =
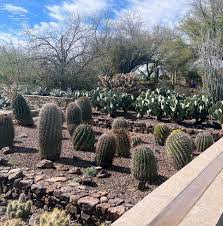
(6, 131)
(14, 222)
(86, 109)
(73, 117)
(83, 138)
(136, 141)
(161, 132)
(123, 143)
(119, 123)
(50, 132)
(105, 150)
(180, 147)
(55, 218)
(22, 111)
(144, 166)
(203, 141)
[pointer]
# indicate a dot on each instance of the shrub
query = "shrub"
(83, 138)
(136, 141)
(86, 109)
(122, 143)
(161, 132)
(50, 132)
(6, 131)
(90, 171)
(73, 117)
(105, 150)
(119, 123)
(144, 164)
(203, 141)
(22, 111)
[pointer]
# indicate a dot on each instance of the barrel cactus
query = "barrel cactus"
(83, 138)
(161, 132)
(50, 132)
(14, 222)
(122, 143)
(86, 109)
(136, 141)
(119, 123)
(22, 111)
(105, 150)
(144, 166)
(73, 117)
(6, 131)
(55, 218)
(180, 147)
(203, 141)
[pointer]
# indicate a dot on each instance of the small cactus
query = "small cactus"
(119, 123)
(161, 132)
(122, 143)
(50, 132)
(55, 218)
(203, 141)
(6, 131)
(144, 164)
(19, 209)
(73, 117)
(179, 147)
(86, 109)
(83, 138)
(105, 150)
(14, 222)
(22, 111)
(136, 141)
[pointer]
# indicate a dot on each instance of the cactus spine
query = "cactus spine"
(83, 138)
(203, 141)
(105, 150)
(161, 132)
(119, 123)
(144, 164)
(136, 141)
(73, 117)
(86, 109)
(50, 132)
(22, 111)
(179, 147)
(14, 222)
(123, 143)
(6, 131)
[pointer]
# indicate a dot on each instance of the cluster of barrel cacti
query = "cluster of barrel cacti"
(161, 132)
(86, 109)
(203, 141)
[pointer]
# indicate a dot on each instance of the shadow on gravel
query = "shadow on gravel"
(18, 149)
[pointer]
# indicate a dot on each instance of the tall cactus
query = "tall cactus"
(86, 108)
(161, 132)
(203, 141)
(144, 166)
(22, 111)
(119, 123)
(180, 147)
(73, 117)
(6, 131)
(123, 143)
(83, 138)
(50, 132)
(105, 150)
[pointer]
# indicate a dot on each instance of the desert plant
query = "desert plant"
(216, 111)
(14, 222)
(179, 147)
(203, 141)
(136, 141)
(50, 132)
(73, 117)
(105, 150)
(161, 132)
(119, 123)
(6, 131)
(90, 171)
(122, 143)
(22, 111)
(86, 109)
(83, 138)
(55, 218)
(144, 166)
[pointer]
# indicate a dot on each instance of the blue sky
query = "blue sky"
(15, 14)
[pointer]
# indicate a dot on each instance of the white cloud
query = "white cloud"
(13, 9)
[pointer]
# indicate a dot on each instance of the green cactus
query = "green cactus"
(203, 141)
(14, 222)
(83, 138)
(144, 164)
(122, 143)
(86, 109)
(22, 111)
(161, 132)
(136, 141)
(19, 209)
(119, 123)
(179, 147)
(105, 150)
(73, 117)
(6, 131)
(55, 218)
(50, 132)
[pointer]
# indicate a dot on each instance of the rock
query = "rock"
(8, 194)
(87, 180)
(39, 178)
(85, 216)
(103, 174)
(57, 179)
(26, 183)
(115, 201)
(39, 188)
(98, 168)
(15, 174)
(103, 207)
(71, 209)
(103, 199)
(45, 164)
(75, 170)
(61, 167)
(87, 203)
(21, 136)
(74, 198)
(3, 162)
(6, 150)
(116, 212)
